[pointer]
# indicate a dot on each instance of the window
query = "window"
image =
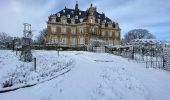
(98, 20)
(72, 21)
(91, 29)
(116, 42)
(110, 43)
(103, 25)
(103, 33)
(53, 29)
(81, 40)
(63, 11)
(73, 30)
(63, 40)
(58, 14)
(110, 33)
(63, 30)
(81, 29)
(73, 41)
(116, 34)
(72, 12)
(91, 20)
(76, 17)
(64, 21)
(68, 16)
(53, 40)
(92, 39)
(81, 20)
(99, 16)
(53, 20)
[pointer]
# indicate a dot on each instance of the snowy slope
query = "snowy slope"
(98, 76)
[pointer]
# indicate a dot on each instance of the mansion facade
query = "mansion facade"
(76, 28)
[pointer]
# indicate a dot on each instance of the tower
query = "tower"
(76, 6)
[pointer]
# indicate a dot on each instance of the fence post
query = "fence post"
(133, 53)
(35, 64)
(13, 45)
(16, 51)
(164, 62)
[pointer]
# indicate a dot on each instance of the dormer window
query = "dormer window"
(76, 17)
(58, 14)
(99, 16)
(53, 20)
(72, 12)
(72, 21)
(64, 11)
(64, 21)
(98, 20)
(81, 20)
(79, 13)
(68, 16)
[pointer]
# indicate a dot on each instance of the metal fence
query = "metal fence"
(166, 53)
(152, 56)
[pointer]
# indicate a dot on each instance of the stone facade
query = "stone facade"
(76, 28)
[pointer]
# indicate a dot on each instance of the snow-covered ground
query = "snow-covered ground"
(49, 66)
(95, 76)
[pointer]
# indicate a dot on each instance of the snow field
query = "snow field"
(97, 76)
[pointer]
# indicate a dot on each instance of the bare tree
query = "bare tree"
(42, 36)
(138, 34)
(5, 39)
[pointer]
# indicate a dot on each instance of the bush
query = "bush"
(8, 83)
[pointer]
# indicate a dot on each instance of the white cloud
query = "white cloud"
(129, 13)
(138, 14)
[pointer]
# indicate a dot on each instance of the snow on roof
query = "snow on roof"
(120, 46)
(148, 41)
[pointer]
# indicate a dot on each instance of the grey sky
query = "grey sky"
(153, 15)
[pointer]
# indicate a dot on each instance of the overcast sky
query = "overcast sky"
(153, 15)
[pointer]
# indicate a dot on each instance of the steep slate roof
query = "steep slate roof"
(83, 15)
